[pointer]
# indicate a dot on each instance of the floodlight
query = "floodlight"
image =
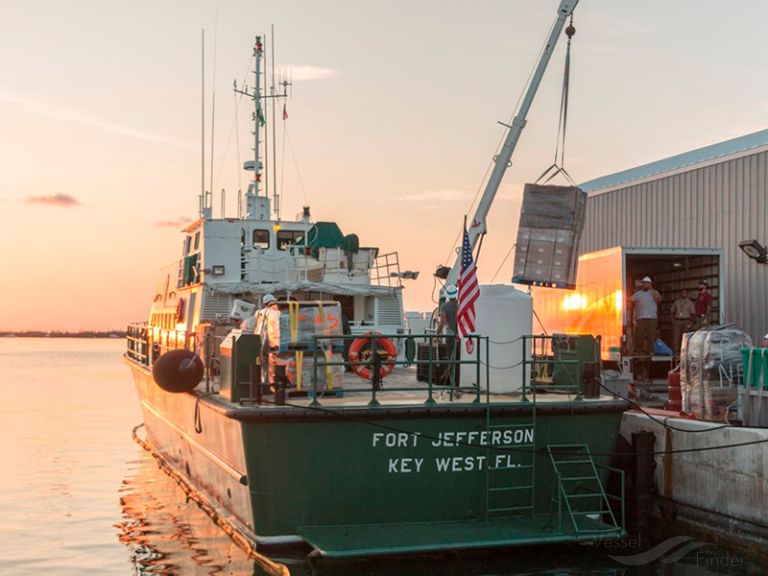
(754, 250)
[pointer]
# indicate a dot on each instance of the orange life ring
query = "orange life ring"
(180, 310)
(361, 348)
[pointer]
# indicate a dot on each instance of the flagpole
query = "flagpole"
(463, 231)
(461, 267)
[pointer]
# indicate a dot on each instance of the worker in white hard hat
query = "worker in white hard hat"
(447, 326)
(268, 309)
(267, 300)
(645, 303)
(253, 324)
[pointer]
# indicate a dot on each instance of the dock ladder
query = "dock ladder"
(578, 487)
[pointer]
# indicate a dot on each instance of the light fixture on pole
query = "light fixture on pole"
(405, 275)
(754, 250)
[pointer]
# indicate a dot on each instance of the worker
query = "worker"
(447, 323)
(262, 315)
(646, 304)
(703, 305)
(683, 312)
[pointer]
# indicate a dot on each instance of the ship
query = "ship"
(334, 428)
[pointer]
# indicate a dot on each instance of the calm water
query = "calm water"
(77, 496)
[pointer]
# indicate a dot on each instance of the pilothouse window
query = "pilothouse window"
(286, 238)
(261, 239)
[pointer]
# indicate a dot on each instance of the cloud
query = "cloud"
(447, 195)
(301, 72)
(180, 222)
(67, 115)
(63, 200)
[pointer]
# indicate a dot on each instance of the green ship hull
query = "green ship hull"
(355, 480)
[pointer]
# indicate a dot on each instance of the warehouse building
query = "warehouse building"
(710, 198)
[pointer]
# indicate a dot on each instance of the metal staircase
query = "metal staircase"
(579, 490)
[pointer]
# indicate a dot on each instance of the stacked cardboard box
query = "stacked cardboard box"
(551, 221)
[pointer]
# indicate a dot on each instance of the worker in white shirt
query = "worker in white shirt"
(645, 303)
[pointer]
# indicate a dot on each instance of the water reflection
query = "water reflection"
(167, 534)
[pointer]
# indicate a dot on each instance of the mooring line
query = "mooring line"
(238, 537)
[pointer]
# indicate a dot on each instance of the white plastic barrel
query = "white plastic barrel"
(504, 314)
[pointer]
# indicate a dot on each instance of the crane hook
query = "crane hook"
(571, 29)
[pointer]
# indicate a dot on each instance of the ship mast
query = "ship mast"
(257, 206)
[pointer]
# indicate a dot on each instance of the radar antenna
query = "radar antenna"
(257, 205)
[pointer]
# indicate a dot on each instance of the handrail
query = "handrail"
(539, 346)
(139, 337)
(623, 497)
(376, 363)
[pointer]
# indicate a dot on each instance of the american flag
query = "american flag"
(469, 290)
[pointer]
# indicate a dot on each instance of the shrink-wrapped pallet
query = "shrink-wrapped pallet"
(551, 220)
(711, 370)
(291, 328)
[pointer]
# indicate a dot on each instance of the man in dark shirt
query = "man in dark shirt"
(447, 323)
(703, 305)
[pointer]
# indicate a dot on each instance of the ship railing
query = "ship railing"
(440, 369)
(299, 263)
(540, 364)
(145, 344)
(267, 267)
(386, 270)
(137, 342)
(611, 504)
(620, 499)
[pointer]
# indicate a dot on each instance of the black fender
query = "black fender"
(178, 371)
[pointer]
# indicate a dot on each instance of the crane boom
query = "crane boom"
(477, 225)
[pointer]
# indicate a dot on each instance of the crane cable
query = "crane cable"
(558, 166)
(483, 181)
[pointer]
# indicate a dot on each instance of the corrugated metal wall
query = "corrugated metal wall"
(714, 206)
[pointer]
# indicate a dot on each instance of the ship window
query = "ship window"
(286, 238)
(187, 245)
(197, 240)
(261, 239)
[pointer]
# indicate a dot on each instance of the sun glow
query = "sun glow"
(618, 300)
(575, 301)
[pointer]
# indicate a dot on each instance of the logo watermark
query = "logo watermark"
(669, 551)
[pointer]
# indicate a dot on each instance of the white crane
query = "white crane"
(477, 225)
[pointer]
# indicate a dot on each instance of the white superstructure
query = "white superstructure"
(228, 259)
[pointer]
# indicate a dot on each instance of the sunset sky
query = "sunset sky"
(392, 120)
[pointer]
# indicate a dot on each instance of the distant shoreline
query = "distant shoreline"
(58, 334)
